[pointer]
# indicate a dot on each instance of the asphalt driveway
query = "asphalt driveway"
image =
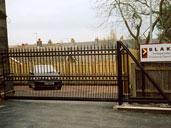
(70, 114)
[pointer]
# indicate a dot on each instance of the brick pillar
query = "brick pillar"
(4, 61)
(3, 26)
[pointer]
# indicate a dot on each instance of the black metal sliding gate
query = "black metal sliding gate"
(90, 73)
(87, 73)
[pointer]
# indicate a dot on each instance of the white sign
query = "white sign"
(155, 52)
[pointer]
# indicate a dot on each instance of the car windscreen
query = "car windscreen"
(44, 69)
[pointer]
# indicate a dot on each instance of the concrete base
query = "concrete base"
(157, 110)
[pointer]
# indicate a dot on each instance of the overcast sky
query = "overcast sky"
(58, 20)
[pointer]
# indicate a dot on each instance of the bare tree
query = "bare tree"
(134, 14)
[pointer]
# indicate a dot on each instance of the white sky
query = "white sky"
(58, 20)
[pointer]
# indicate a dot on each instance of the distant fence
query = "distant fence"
(70, 61)
(89, 63)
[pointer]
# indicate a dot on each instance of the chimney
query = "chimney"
(96, 40)
(72, 41)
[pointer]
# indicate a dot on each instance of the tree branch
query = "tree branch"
(124, 19)
(144, 3)
(138, 27)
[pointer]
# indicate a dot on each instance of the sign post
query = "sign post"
(151, 28)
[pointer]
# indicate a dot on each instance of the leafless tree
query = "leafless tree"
(134, 14)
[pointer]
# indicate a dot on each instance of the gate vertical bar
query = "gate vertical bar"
(119, 66)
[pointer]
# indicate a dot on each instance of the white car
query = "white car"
(44, 77)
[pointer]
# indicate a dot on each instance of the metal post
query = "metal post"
(119, 66)
(151, 31)
(3, 72)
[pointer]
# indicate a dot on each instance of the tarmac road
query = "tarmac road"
(70, 114)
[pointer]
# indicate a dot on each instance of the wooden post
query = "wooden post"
(133, 80)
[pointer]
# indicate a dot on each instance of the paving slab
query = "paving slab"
(74, 114)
